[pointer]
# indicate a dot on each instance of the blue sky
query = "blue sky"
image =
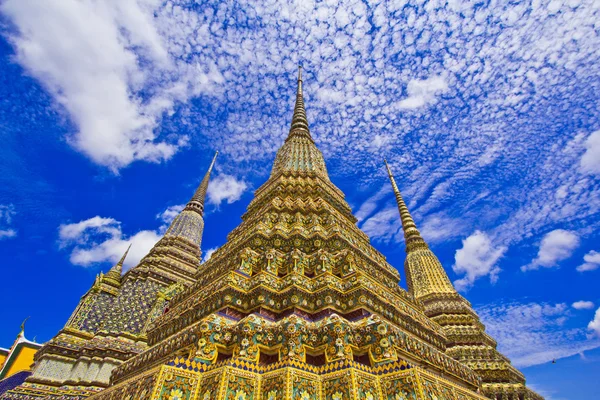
(487, 111)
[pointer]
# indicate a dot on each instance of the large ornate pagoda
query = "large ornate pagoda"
(299, 305)
(110, 323)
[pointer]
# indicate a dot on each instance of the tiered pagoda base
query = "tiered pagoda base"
(35, 391)
(185, 379)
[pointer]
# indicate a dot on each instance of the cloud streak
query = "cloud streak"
(583, 305)
(591, 262)
(543, 332)
(7, 212)
(590, 161)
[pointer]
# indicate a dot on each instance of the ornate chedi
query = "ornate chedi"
(110, 322)
(467, 341)
(296, 305)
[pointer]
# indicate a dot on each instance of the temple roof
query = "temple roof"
(20, 355)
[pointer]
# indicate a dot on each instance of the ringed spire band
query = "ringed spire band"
(299, 119)
(197, 201)
(412, 236)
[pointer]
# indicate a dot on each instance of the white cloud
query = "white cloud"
(423, 92)
(225, 188)
(7, 233)
(583, 305)
(544, 334)
(330, 96)
(79, 232)
(208, 254)
(7, 212)
(439, 227)
(99, 240)
(379, 142)
(592, 262)
(95, 57)
(594, 324)
(170, 213)
(556, 246)
(590, 161)
(384, 225)
(477, 258)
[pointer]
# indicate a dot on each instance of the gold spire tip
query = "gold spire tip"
(389, 170)
(212, 163)
(122, 260)
(23, 325)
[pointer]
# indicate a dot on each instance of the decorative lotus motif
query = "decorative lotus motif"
(176, 394)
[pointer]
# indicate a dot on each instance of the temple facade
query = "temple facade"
(16, 361)
(297, 304)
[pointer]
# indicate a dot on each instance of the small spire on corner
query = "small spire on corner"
(23, 326)
(122, 260)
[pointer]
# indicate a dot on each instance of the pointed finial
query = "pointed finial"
(113, 276)
(122, 260)
(212, 163)
(412, 236)
(299, 120)
(23, 324)
(197, 201)
(388, 168)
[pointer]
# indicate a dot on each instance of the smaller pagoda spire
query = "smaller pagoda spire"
(412, 236)
(299, 120)
(425, 275)
(115, 272)
(197, 201)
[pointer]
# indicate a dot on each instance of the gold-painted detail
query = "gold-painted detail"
(467, 341)
(296, 305)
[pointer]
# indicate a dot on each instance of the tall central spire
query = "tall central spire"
(299, 120)
(299, 155)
